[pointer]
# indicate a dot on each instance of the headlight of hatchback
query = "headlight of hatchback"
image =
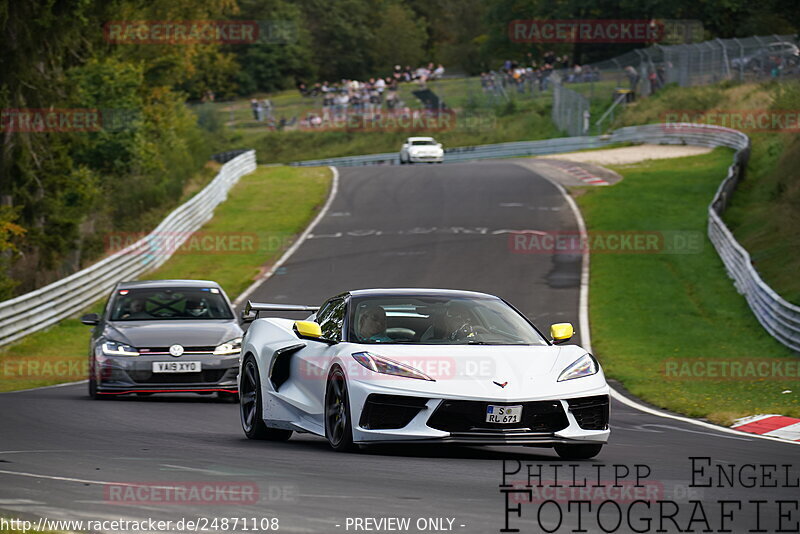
(586, 365)
(234, 346)
(115, 348)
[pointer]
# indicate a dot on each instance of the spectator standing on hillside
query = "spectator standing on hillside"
(380, 86)
(255, 105)
(633, 77)
(266, 106)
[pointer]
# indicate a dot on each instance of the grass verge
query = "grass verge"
(263, 214)
(659, 319)
(764, 214)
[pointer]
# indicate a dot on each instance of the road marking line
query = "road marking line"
(45, 387)
(306, 233)
(586, 341)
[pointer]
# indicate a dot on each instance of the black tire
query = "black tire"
(251, 406)
(93, 388)
(93, 393)
(578, 452)
(231, 398)
(338, 428)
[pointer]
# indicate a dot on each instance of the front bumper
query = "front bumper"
(437, 158)
(396, 418)
(118, 375)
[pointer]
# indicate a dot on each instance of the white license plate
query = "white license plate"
(503, 414)
(176, 367)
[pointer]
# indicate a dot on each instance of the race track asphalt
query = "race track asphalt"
(417, 226)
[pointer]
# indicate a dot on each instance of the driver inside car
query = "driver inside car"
(136, 310)
(459, 323)
(197, 308)
(372, 325)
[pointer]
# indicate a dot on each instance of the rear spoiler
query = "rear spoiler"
(251, 309)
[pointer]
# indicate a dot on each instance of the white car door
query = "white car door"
(310, 364)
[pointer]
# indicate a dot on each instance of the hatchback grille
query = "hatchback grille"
(203, 377)
(165, 350)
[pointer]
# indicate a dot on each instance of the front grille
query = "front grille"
(206, 376)
(469, 416)
(165, 350)
(591, 413)
(390, 411)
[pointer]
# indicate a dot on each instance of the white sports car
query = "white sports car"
(424, 366)
(421, 150)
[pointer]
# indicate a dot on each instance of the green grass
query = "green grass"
(764, 213)
(647, 310)
(268, 207)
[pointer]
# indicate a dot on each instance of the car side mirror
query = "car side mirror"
(307, 330)
(310, 330)
(561, 332)
(91, 319)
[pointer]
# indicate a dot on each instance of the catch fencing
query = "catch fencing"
(644, 71)
(43, 307)
(570, 111)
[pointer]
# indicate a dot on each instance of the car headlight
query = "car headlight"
(385, 366)
(234, 346)
(586, 365)
(115, 348)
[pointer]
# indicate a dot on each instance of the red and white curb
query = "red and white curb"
(776, 426)
(578, 172)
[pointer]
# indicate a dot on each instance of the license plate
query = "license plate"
(176, 367)
(503, 414)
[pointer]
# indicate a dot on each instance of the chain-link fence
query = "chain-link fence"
(609, 84)
(570, 109)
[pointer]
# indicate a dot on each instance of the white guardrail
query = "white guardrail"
(39, 309)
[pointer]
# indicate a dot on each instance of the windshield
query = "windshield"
(439, 321)
(426, 142)
(169, 303)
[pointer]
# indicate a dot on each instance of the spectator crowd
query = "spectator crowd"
(370, 97)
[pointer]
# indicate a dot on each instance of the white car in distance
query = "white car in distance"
(421, 150)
